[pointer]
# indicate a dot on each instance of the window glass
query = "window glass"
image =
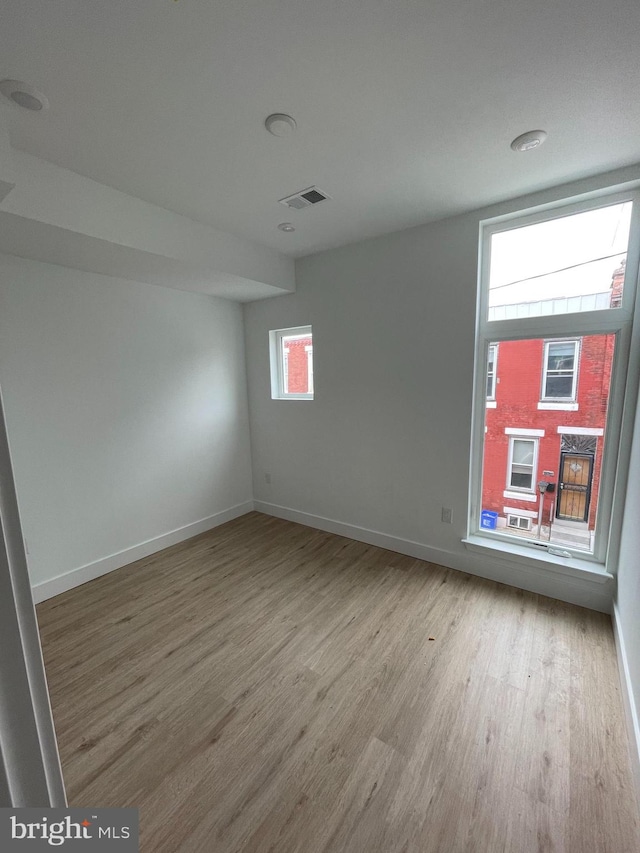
(565, 265)
(522, 463)
(560, 370)
(297, 360)
(528, 442)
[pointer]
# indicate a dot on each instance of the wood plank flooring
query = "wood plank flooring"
(268, 688)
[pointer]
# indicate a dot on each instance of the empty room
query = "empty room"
(320, 426)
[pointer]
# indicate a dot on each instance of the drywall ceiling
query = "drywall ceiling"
(405, 110)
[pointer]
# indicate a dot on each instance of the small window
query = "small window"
(492, 366)
(518, 522)
(560, 370)
(291, 355)
(522, 458)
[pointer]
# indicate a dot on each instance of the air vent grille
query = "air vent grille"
(305, 198)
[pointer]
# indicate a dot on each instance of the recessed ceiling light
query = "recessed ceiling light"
(280, 124)
(529, 140)
(24, 95)
(287, 227)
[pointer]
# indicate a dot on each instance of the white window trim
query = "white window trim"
(574, 379)
(520, 496)
(283, 373)
(523, 436)
(524, 433)
(512, 510)
(574, 430)
(309, 352)
(624, 323)
(492, 395)
(528, 555)
(491, 404)
(558, 407)
(276, 352)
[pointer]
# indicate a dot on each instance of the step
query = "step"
(563, 538)
(570, 526)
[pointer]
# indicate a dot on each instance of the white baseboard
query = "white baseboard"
(83, 574)
(631, 711)
(595, 595)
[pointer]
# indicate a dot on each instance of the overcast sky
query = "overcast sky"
(545, 248)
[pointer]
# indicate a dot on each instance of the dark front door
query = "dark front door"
(575, 486)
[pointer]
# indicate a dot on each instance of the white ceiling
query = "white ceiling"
(405, 108)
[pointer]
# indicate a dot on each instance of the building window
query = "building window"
(291, 360)
(560, 371)
(518, 522)
(556, 297)
(521, 470)
(492, 367)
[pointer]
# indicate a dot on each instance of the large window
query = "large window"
(557, 297)
(291, 355)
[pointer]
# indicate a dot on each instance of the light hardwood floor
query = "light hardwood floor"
(268, 688)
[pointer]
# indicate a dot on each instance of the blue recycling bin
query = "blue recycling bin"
(488, 519)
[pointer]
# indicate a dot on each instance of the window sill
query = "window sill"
(557, 407)
(513, 510)
(293, 397)
(530, 557)
(492, 404)
(521, 496)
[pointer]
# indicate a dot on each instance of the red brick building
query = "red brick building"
(298, 365)
(545, 422)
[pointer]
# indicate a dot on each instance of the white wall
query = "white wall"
(385, 444)
(627, 612)
(126, 411)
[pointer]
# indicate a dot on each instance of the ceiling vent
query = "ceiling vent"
(304, 198)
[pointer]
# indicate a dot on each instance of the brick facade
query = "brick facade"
(518, 392)
(298, 365)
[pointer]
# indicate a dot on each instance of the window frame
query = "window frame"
(534, 465)
(277, 365)
(309, 352)
(545, 398)
(491, 397)
(623, 322)
(519, 518)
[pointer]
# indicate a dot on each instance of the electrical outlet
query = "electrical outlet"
(267, 479)
(447, 515)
